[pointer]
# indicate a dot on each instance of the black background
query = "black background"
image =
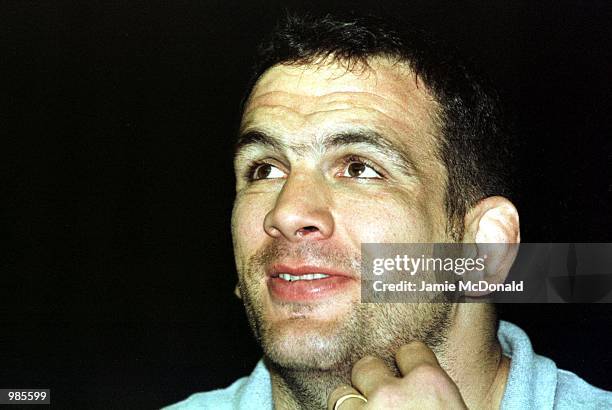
(117, 183)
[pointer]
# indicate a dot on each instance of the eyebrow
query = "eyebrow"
(371, 138)
(257, 138)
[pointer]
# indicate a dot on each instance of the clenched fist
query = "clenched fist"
(423, 384)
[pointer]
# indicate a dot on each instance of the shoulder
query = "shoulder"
(575, 393)
(535, 381)
(252, 392)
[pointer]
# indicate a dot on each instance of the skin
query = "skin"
(301, 199)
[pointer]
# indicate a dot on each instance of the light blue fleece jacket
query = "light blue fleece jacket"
(534, 382)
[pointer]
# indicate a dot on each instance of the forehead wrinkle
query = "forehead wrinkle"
(399, 102)
(303, 104)
(301, 108)
(278, 109)
(275, 95)
(403, 79)
(355, 99)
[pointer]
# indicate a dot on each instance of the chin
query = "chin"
(302, 346)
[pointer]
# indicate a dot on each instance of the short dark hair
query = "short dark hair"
(474, 142)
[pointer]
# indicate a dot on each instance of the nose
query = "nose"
(302, 210)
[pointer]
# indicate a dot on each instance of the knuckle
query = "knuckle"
(417, 344)
(411, 348)
(364, 363)
(427, 373)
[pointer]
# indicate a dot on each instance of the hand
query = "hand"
(423, 385)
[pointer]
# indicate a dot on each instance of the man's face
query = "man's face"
(329, 159)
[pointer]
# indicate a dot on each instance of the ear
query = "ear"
(237, 292)
(492, 220)
(493, 225)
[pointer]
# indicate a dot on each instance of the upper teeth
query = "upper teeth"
(310, 276)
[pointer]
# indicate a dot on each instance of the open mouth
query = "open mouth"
(306, 283)
(309, 276)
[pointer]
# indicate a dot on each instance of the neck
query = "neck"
(471, 355)
(304, 390)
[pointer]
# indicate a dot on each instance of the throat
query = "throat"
(304, 389)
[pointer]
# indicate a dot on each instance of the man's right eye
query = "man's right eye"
(265, 171)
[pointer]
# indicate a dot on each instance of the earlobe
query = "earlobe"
(237, 292)
(493, 225)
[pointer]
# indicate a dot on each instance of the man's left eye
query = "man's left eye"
(357, 169)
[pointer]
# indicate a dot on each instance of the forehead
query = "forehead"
(383, 94)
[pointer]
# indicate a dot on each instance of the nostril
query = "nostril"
(307, 229)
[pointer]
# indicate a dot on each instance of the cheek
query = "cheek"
(383, 218)
(247, 225)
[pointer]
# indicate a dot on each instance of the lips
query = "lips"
(305, 283)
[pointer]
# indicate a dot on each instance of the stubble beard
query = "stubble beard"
(313, 358)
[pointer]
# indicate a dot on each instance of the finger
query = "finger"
(349, 404)
(369, 373)
(414, 354)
